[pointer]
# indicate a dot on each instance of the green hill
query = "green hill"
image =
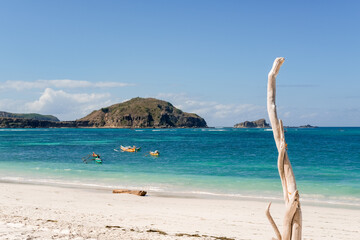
(34, 116)
(143, 113)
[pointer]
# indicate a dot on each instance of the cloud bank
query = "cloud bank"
(60, 83)
(68, 106)
(215, 113)
(62, 104)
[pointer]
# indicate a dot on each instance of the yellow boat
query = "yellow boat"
(155, 153)
(129, 149)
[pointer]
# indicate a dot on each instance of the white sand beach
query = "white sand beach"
(48, 212)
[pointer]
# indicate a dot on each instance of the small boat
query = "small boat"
(130, 149)
(92, 157)
(155, 153)
(97, 160)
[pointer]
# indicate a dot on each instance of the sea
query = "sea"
(202, 163)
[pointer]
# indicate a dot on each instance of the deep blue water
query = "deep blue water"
(221, 161)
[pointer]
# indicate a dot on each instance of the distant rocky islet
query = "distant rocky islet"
(261, 123)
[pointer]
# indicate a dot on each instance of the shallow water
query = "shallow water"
(221, 162)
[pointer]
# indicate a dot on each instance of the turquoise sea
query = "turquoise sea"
(213, 162)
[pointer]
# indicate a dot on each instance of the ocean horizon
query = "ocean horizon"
(209, 162)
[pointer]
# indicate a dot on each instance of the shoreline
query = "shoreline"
(187, 194)
(71, 213)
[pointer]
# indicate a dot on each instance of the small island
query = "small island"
(143, 113)
(261, 123)
(307, 126)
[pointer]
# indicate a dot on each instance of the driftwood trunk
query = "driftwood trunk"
(135, 192)
(292, 224)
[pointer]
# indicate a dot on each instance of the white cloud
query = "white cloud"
(11, 105)
(68, 106)
(287, 114)
(60, 83)
(309, 116)
(216, 114)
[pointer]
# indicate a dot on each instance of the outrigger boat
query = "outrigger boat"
(92, 157)
(155, 153)
(130, 149)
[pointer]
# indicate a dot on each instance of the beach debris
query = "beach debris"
(50, 220)
(135, 192)
(108, 226)
(157, 231)
(292, 224)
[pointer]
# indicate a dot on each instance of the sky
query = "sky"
(68, 58)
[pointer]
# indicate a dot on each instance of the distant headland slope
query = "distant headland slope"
(29, 116)
(143, 113)
(135, 113)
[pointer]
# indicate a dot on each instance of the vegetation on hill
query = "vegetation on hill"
(34, 116)
(143, 113)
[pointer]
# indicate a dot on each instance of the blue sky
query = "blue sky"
(68, 58)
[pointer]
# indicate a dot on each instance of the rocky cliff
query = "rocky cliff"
(143, 113)
(261, 123)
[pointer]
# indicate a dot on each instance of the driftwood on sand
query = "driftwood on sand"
(292, 223)
(135, 192)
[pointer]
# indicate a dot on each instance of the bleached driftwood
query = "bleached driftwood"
(292, 223)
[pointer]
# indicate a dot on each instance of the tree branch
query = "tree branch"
(272, 222)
